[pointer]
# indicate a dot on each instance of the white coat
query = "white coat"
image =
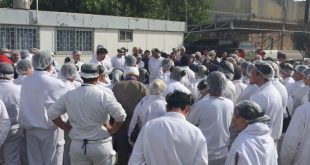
(170, 140)
(118, 62)
(230, 91)
(254, 145)
(189, 79)
(79, 65)
(19, 79)
(213, 115)
(288, 81)
(247, 92)
(5, 123)
(283, 93)
(154, 68)
(106, 63)
(269, 99)
(299, 96)
(150, 107)
(87, 124)
(165, 76)
(140, 64)
(295, 146)
(239, 86)
(293, 88)
(173, 85)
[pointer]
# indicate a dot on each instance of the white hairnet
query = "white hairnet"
(89, 71)
(167, 63)
(216, 82)
(251, 112)
(275, 68)
(258, 58)
(177, 73)
(287, 69)
(201, 71)
(306, 73)
(244, 66)
(265, 70)
(143, 75)
(132, 70)
(157, 87)
(232, 60)
(22, 67)
(42, 60)
(130, 60)
(6, 70)
(300, 68)
(68, 71)
(25, 54)
(250, 68)
(228, 69)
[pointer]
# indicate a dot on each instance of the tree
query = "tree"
(194, 11)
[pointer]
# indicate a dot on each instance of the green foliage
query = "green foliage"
(196, 11)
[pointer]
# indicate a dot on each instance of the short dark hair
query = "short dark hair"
(238, 72)
(88, 80)
(179, 99)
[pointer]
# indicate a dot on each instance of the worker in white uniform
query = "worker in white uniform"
(203, 89)
(230, 91)
(91, 136)
(10, 95)
(251, 88)
(5, 123)
(118, 61)
(23, 69)
(171, 139)
(154, 65)
(200, 74)
(295, 147)
(166, 66)
(189, 79)
(244, 66)
(101, 58)
(150, 107)
(212, 115)
(76, 55)
(268, 97)
(287, 71)
(237, 80)
(68, 74)
(174, 84)
(39, 91)
(130, 63)
(254, 145)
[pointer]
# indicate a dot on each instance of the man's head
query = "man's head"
(216, 83)
(228, 69)
(76, 55)
(101, 53)
(90, 73)
(157, 87)
(6, 71)
(15, 56)
(179, 102)
(25, 54)
(155, 53)
(244, 66)
(120, 52)
(135, 50)
(298, 70)
(146, 54)
(287, 70)
(130, 60)
(143, 75)
(24, 67)
(177, 73)
(117, 75)
(238, 72)
(42, 60)
(166, 64)
(262, 73)
(201, 72)
(68, 72)
(248, 112)
(132, 72)
(306, 74)
(203, 87)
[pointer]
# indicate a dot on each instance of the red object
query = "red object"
(241, 53)
(4, 58)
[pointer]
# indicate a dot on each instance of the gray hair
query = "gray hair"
(157, 87)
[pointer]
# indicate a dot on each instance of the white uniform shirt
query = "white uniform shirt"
(140, 64)
(288, 81)
(189, 79)
(154, 68)
(165, 76)
(213, 115)
(269, 99)
(169, 140)
(39, 91)
(173, 85)
(230, 91)
(283, 93)
(106, 63)
(293, 88)
(10, 95)
(295, 146)
(239, 86)
(88, 108)
(19, 79)
(79, 65)
(5, 124)
(118, 62)
(150, 107)
(254, 145)
(299, 97)
(247, 92)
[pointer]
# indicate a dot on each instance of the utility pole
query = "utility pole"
(306, 20)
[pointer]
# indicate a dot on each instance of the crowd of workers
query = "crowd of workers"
(153, 107)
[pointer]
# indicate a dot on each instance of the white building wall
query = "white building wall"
(47, 38)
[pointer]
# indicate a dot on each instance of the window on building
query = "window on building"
(19, 37)
(74, 39)
(126, 36)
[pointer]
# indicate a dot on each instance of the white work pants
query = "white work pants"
(11, 147)
(97, 153)
(43, 148)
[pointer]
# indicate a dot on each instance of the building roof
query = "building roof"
(63, 19)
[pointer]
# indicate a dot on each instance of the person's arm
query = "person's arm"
(137, 155)
(5, 123)
(201, 156)
(61, 124)
(55, 111)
